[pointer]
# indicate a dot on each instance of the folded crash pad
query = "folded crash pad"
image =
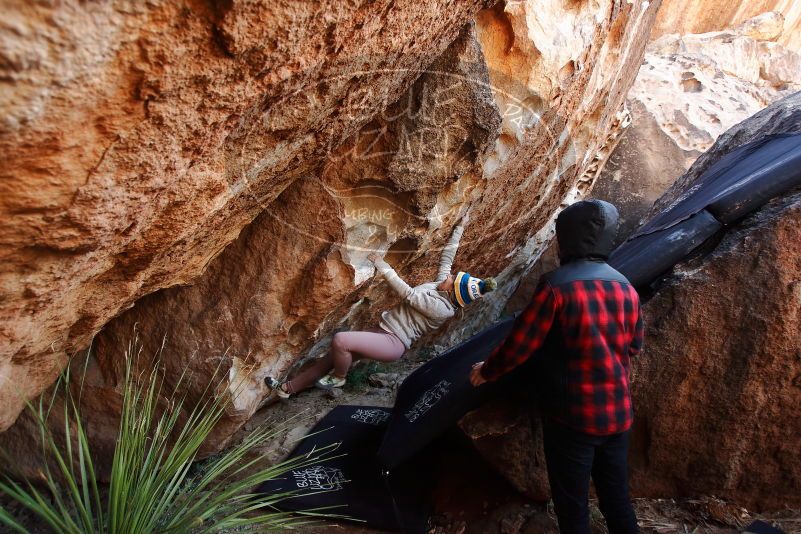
(436, 395)
(350, 482)
(365, 481)
(766, 172)
(644, 259)
(737, 184)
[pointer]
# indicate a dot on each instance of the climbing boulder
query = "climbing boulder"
(717, 388)
(224, 170)
(140, 138)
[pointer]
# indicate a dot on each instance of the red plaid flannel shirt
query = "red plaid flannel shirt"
(599, 329)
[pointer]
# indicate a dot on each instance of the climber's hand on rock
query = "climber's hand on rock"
(373, 257)
(475, 374)
(465, 217)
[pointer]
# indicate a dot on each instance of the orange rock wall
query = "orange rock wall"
(274, 146)
(701, 16)
(140, 139)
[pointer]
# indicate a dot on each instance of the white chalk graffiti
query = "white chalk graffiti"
(319, 478)
(429, 399)
(371, 416)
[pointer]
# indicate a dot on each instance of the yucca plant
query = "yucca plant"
(156, 484)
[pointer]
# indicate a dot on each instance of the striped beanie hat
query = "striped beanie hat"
(467, 288)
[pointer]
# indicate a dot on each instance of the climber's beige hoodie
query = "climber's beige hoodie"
(424, 308)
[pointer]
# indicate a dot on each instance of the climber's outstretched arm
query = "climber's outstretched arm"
(449, 252)
(395, 282)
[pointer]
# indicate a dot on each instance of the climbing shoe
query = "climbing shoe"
(330, 381)
(277, 386)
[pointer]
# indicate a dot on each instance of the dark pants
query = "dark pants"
(573, 457)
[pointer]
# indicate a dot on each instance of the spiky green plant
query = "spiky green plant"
(359, 375)
(153, 486)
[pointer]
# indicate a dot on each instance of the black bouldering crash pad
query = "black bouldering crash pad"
(650, 255)
(737, 184)
(350, 483)
(435, 396)
(374, 477)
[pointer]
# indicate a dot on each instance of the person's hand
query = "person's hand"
(475, 374)
(465, 217)
(373, 257)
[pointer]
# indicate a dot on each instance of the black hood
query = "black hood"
(586, 229)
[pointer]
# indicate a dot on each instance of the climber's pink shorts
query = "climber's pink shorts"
(346, 347)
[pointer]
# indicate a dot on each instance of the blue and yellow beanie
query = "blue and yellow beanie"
(467, 288)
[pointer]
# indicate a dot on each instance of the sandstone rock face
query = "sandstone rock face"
(701, 16)
(140, 138)
(716, 80)
(716, 389)
(504, 434)
(689, 91)
(324, 133)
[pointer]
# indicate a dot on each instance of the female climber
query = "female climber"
(423, 309)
